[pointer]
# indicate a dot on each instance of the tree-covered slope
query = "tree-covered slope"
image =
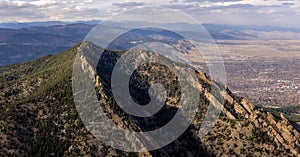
(38, 116)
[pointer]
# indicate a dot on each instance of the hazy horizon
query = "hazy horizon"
(99, 22)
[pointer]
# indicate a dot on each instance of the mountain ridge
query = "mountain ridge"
(40, 106)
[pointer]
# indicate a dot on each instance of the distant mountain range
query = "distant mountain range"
(217, 27)
(24, 44)
(18, 25)
(21, 42)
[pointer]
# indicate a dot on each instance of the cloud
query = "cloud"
(14, 5)
(214, 11)
(128, 4)
(180, 6)
(243, 12)
(173, 1)
(18, 10)
(45, 10)
(288, 3)
(212, 0)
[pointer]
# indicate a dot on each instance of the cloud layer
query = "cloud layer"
(256, 12)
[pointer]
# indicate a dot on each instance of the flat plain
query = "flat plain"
(265, 70)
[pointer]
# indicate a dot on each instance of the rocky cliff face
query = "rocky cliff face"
(245, 129)
(242, 128)
(39, 118)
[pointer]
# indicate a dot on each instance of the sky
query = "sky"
(236, 12)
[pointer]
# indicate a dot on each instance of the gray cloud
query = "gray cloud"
(196, 7)
(212, 0)
(47, 10)
(246, 6)
(14, 12)
(128, 4)
(288, 3)
(180, 6)
(243, 14)
(173, 1)
(10, 5)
